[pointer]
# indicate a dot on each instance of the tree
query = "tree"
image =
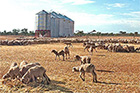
(4, 32)
(31, 33)
(121, 32)
(136, 33)
(98, 34)
(24, 31)
(79, 33)
(15, 31)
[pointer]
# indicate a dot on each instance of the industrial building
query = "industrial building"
(52, 24)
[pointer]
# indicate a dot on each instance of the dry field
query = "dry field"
(125, 67)
(124, 78)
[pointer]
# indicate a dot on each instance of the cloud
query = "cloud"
(102, 21)
(116, 5)
(78, 2)
(135, 14)
(88, 19)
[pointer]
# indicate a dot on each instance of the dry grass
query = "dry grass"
(125, 67)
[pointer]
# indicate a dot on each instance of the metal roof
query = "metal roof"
(54, 15)
(42, 12)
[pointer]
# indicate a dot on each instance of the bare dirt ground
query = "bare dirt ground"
(121, 70)
(11, 37)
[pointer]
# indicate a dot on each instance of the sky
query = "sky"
(100, 15)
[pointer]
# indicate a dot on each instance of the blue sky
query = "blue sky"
(99, 15)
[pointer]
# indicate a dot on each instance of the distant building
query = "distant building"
(53, 24)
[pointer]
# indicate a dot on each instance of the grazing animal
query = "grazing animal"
(90, 46)
(25, 68)
(138, 48)
(12, 73)
(13, 64)
(68, 44)
(57, 54)
(89, 68)
(22, 64)
(83, 59)
(66, 51)
(35, 72)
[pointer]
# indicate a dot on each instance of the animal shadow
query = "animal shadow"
(105, 71)
(100, 55)
(53, 86)
(108, 83)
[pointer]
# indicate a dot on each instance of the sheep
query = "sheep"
(68, 43)
(88, 43)
(23, 63)
(90, 46)
(57, 54)
(25, 68)
(137, 49)
(12, 73)
(90, 68)
(90, 50)
(83, 59)
(66, 51)
(13, 64)
(62, 53)
(33, 73)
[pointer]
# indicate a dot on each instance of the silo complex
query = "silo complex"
(52, 24)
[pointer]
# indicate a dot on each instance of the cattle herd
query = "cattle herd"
(27, 72)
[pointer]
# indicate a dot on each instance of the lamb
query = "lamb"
(25, 68)
(68, 43)
(83, 59)
(12, 73)
(35, 72)
(90, 68)
(57, 54)
(66, 51)
(22, 64)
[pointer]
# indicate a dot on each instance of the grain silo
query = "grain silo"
(52, 24)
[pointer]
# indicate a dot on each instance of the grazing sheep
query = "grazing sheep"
(137, 49)
(13, 64)
(90, 68)
(68, 43)
(13, 73)
(35, 72)
(57, 54)
(22, 64)
(83, 59)
(25, 68)
(91, 47)
(66, 51)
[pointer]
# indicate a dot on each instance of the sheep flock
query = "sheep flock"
(81, 60)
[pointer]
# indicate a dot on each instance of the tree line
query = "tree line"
(23, 31)
(95, 33)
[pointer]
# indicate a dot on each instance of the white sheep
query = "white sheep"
(89, 68)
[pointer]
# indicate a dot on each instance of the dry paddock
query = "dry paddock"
(123, 78)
